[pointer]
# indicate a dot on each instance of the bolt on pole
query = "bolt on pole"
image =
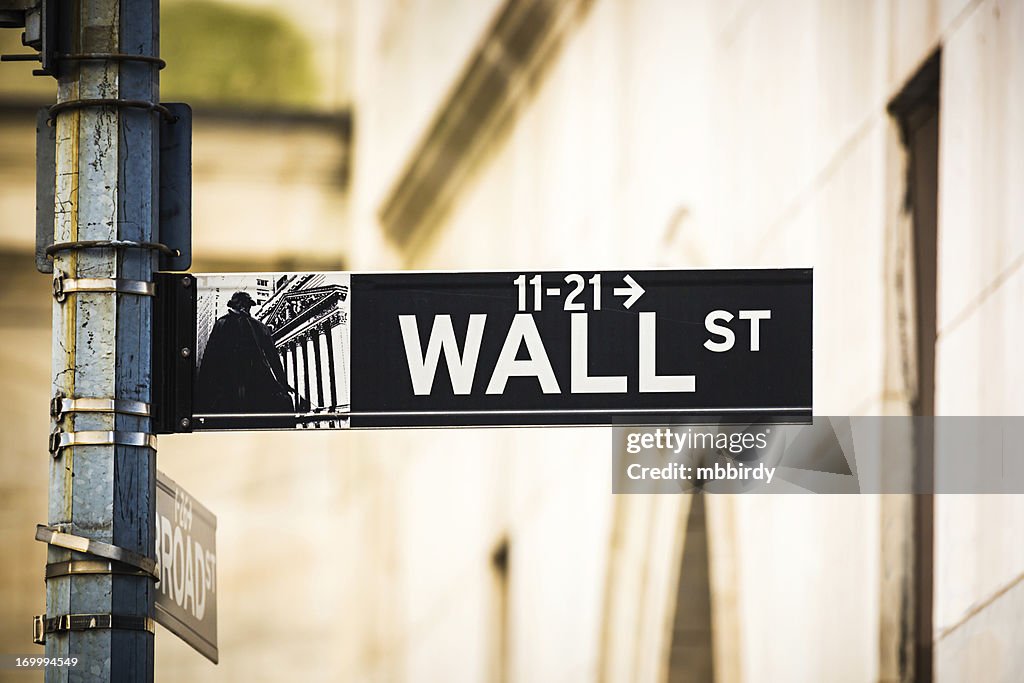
(106, 189)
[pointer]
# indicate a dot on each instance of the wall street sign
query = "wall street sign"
(436, 349)
(186, 555)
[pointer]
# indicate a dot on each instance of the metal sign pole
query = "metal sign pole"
(103, 469)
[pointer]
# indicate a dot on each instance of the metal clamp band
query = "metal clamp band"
(114, 57)
(62, 286)
(26, 57)
(41, 624)
(111, 244)
(56, 537)
(56, 570)
(61, 440)
(59, 406)
(111, 102)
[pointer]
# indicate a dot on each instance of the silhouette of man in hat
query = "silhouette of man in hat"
(241, 371)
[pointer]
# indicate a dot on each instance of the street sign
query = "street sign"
(516, 348)
(186, 554)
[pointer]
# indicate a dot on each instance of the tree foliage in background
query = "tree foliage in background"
(226, 55)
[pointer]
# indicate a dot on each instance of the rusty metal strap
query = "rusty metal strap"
(62, 286)
(42, 624)
(55, 537)
(61, 440)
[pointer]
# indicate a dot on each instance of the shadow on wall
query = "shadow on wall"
(221, 54)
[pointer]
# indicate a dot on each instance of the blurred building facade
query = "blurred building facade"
(599, 134)
(878, 142)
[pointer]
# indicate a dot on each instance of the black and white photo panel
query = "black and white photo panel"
(272, 350)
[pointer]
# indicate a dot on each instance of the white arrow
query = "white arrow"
(633, 291)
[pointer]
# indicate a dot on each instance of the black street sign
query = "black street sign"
(510, 348)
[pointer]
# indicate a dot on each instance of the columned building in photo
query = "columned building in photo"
(308, 319)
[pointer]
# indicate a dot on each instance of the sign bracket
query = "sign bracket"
(174, 324)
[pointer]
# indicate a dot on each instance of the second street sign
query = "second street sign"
(186, 554)
(351, 350)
